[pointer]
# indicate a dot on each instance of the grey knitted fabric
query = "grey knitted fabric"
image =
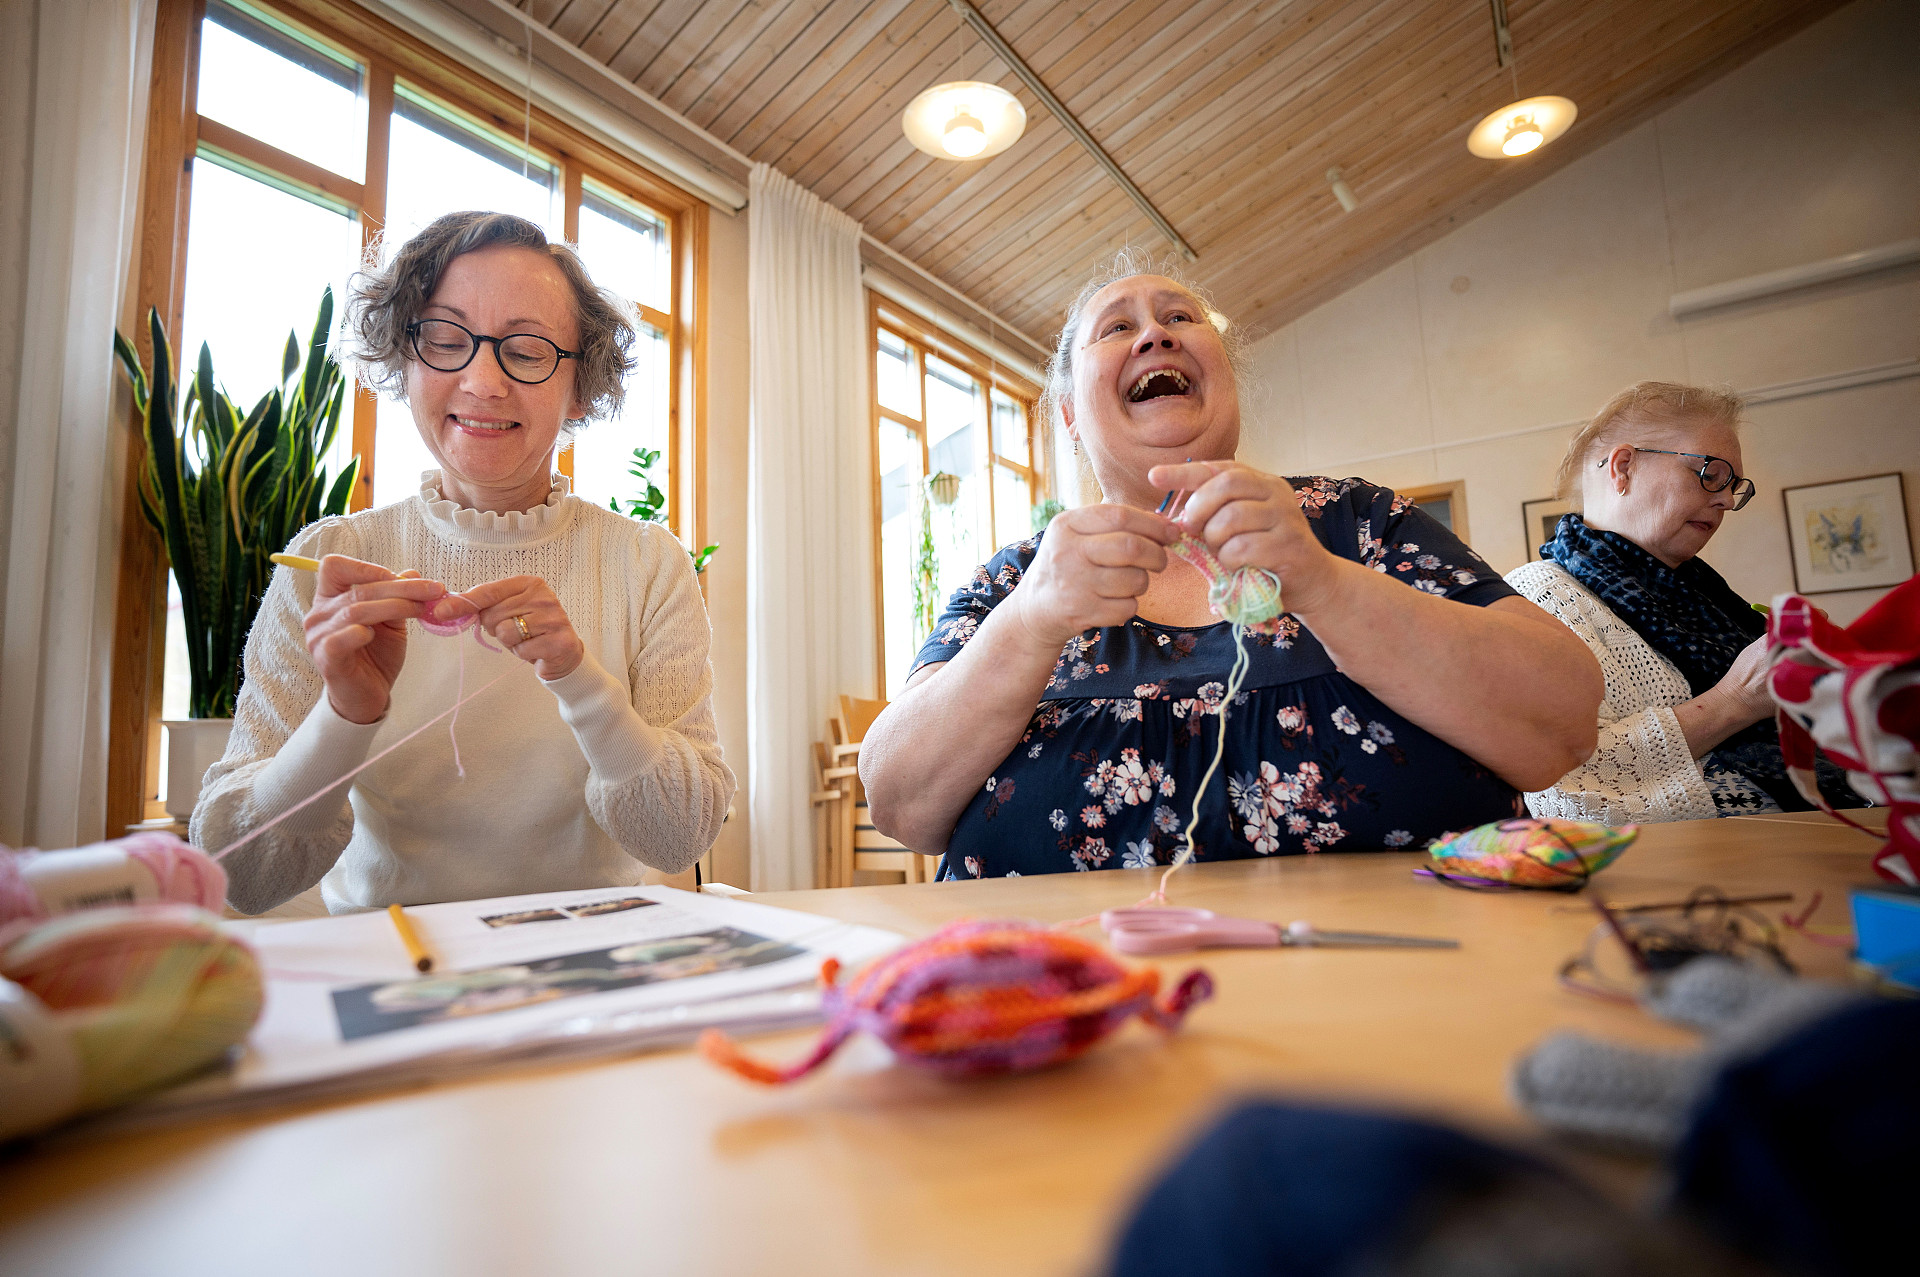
(1641, 1099)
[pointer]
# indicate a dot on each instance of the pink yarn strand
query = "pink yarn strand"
(232, 847)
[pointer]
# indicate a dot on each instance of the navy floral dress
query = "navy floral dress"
(1105, 775)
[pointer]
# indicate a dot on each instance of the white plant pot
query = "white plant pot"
(193, 745)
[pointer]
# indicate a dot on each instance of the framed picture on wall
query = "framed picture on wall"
(1541, 518)
(1849, 535)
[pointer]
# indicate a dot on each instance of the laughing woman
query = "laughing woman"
(1057, 718)
(595, 757)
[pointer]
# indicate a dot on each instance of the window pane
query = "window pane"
(399, 454)
(440, 165)
(952, 410)
(257, 260)
(282, 90)
(1010, 428)
(899, 387)
(1012, 507)
(900, 514)
(603, 450)
(626, 248)
(961, 531)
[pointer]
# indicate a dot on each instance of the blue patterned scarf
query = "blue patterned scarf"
(1691, 616)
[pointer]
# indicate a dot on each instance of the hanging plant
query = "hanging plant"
(926, 566)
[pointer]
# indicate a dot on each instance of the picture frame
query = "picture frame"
(1540, 519)
(1849, 534)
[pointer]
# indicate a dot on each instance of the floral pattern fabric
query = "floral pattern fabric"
(1105, 774)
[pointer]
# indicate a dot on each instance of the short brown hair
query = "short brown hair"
(382, 301)
(1644, 403)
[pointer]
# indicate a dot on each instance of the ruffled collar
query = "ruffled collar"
(460, 523)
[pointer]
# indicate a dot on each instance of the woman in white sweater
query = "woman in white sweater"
(584, 770)
(1686, 729)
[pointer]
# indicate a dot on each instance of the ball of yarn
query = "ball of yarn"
(1244, 596)
(1549, 854)
(982, 998)
(148, 866)
(145, 994)
(1247, 596)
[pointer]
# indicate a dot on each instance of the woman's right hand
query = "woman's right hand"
(1745, 683)
(357, 631)
(1093, 565)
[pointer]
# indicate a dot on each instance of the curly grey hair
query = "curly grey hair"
(1125, 264)
(382, 301)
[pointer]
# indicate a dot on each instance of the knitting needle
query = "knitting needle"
(422, 960)
(1171, 494)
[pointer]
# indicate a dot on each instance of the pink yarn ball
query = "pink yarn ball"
(181, 873)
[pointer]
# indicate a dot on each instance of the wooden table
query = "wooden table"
(661, 1164)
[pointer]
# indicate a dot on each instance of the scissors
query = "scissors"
(1143, 930)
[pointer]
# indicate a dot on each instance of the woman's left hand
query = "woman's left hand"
(1250, 519)
(523, 614)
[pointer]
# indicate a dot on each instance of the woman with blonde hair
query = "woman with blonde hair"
(1686, 729)
(1058, 717)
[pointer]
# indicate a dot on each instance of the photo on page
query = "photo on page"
(367, 1010)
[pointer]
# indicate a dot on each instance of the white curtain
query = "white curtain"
(810, 508)
(73, 93)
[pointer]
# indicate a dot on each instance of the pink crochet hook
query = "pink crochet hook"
(1147, 930)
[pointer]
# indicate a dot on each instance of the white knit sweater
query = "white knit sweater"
(1643, 770)
(581, 782)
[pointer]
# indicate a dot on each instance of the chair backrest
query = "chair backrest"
(856, 716)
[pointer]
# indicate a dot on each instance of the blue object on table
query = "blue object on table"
(1886, 928)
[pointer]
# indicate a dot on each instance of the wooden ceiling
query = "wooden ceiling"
(1226, 114)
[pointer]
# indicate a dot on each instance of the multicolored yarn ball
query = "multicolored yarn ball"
(1545, 854)
(139, 868)
(113, 1002)
(1242, 597)
(981, 998)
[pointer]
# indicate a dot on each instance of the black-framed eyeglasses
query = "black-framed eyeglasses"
(1716, 474)
(445, 346)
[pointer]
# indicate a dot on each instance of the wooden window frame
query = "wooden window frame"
(175, 134)
(1455, 491)
(923, 339)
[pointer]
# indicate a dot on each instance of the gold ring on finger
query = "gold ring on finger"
(525, 633)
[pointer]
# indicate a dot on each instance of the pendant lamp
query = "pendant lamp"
(1522, 127)
(964, 120)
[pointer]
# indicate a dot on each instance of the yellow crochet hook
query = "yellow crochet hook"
(298, 562)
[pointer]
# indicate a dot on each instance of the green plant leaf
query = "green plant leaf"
(291, 358)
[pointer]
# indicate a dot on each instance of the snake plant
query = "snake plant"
(237, 492)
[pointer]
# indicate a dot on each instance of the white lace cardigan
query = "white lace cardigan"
(587, 781)
(1642, 770)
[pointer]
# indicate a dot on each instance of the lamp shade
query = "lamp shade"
(1520, 128)
(964, 120)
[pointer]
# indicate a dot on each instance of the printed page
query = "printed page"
(343, 997)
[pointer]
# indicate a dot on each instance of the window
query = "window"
(311, 128)
(954, 478)
(1446, 502)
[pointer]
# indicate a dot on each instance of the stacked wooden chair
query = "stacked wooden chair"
(844, 837)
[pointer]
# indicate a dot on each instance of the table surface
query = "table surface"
(660, 1163)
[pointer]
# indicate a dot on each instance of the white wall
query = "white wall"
(1457, 363)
